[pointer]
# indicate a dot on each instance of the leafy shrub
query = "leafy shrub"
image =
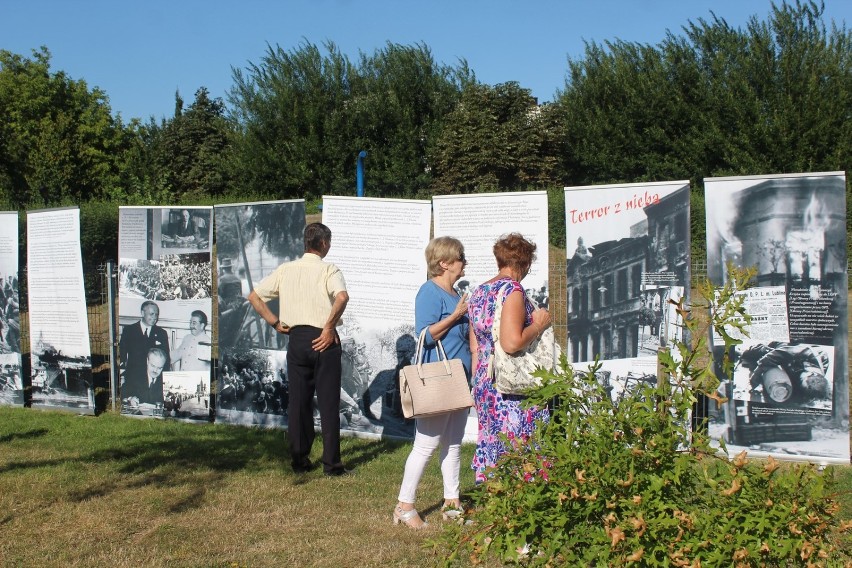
(630, 483)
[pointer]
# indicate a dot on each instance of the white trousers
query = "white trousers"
(446, 430)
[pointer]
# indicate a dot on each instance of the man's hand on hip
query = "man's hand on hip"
(327, 338)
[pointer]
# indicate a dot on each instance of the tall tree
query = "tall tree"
(192, 152)
(306, 114)
(291, 109)
(58, 139)
(496, 139)
(771, 98)
(399, 100)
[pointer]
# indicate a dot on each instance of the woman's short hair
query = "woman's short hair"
(446, 249)
(514, 251)
(202, 317)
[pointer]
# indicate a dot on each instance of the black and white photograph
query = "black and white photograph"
(784, 375)
(185, 230)
(144, 353)
(185, 277)
(792, 228)
(789, 394)
(61, 380)
(10, 314)
(254, 390)
(138, 278)
(192, 346)
(370, 396)
(623, 378)
(628, 255)
(660, 323)
(156, 337)
(252, 240)
(11, 385)
(186, 395)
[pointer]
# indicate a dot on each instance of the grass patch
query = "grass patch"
(113, 490)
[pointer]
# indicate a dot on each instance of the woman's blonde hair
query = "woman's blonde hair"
(446, 249)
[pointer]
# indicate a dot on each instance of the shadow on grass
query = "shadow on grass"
(29, 434)
(127, 454)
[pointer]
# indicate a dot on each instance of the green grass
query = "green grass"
(117, 491)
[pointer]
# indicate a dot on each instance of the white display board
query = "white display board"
(59, 329)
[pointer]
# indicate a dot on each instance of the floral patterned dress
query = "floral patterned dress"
(497, 413)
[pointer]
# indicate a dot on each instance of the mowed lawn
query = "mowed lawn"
(117, 491)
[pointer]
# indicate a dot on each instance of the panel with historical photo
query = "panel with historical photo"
(11, 381)
(628, 258)
(252, 240)
(165, 308)
(789, 393)
(61, 363)
(378, 244)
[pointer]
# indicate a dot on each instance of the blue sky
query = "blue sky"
(140, 53)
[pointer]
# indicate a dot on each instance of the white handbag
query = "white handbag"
(433, 388)
(512, 373)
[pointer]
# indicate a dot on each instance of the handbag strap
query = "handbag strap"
(421, 347)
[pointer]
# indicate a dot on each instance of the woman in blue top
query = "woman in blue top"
(440, 310)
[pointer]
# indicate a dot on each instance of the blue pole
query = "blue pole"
(360, 173)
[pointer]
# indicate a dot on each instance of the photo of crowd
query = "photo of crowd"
(185, 277)
(138, 278)
(10, 317)
(254, 382)
(173, 277)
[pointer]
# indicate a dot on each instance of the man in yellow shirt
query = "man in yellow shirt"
(311, 297)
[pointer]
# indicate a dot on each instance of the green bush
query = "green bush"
(630, 483)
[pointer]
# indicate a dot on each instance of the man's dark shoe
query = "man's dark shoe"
(338, 471)
(303, 466)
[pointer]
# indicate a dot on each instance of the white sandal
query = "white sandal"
(451, 512)
(407, 517)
